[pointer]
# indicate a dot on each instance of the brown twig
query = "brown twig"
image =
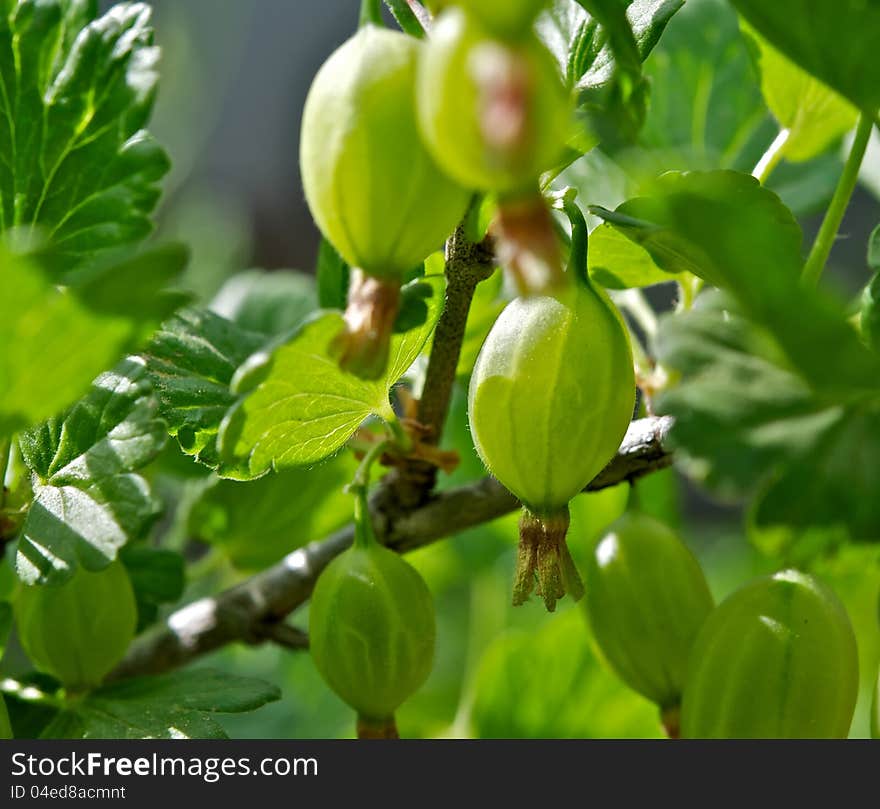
(243, 612)
(467, 264)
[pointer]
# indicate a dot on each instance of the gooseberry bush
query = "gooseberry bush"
(562, 273)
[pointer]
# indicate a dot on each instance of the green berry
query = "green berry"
(550, 400)
(373, 188)
(552, 394)
(80, 630)
(372, 629)
(647, 598)
(777, 659)
(494, 112)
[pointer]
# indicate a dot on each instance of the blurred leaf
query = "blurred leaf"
(798, 548)
(301, 407)
(869, 318)
(659, 495)
(746, 424)
(726, 228)
(105, 315)
(172, 706)
(157, 576)
(602, 63)
(874, 249)
(88, 501)
(836, 41)
(258, 522)
(191, 361)
(405, 17)
(591, 513)
(548, 684)
(616, 262)
(875, 711)
(706, 105)
(707, 110)
(414, 307)
(5, 626)
(5, 724)
(214, 225)
(269, 303)
(77, 162)
(332, 275)
(814, 115)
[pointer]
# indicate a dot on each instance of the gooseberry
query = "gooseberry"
(647, 597)
(372, 629)
(777, 659)
(78, 631)
(372, 186)
(550, 399)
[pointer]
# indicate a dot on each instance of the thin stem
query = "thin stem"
(398, 434)
(467, 264)
(361, 479)
(371, 13)
(364, 535)
(377, 728)
(831, 225)
(770, 159)
(577, 261)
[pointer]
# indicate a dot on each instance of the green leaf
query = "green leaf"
(269, 303)
(406, 18)
(107, 314)
(257, 523)
(706, 105)
(869, 318)
(300, 407)
(726, 228)
(332, 275)
(616, 262)
(5, 626)
(602, 62)
(548, 684)
(582, 46)
(874, 249)
(814, 115)
(746, 424)
(76, 162)
(157, 576)
(191, 361)
(88, 501)
(172, 706)
(836, 41)
(707, 110)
